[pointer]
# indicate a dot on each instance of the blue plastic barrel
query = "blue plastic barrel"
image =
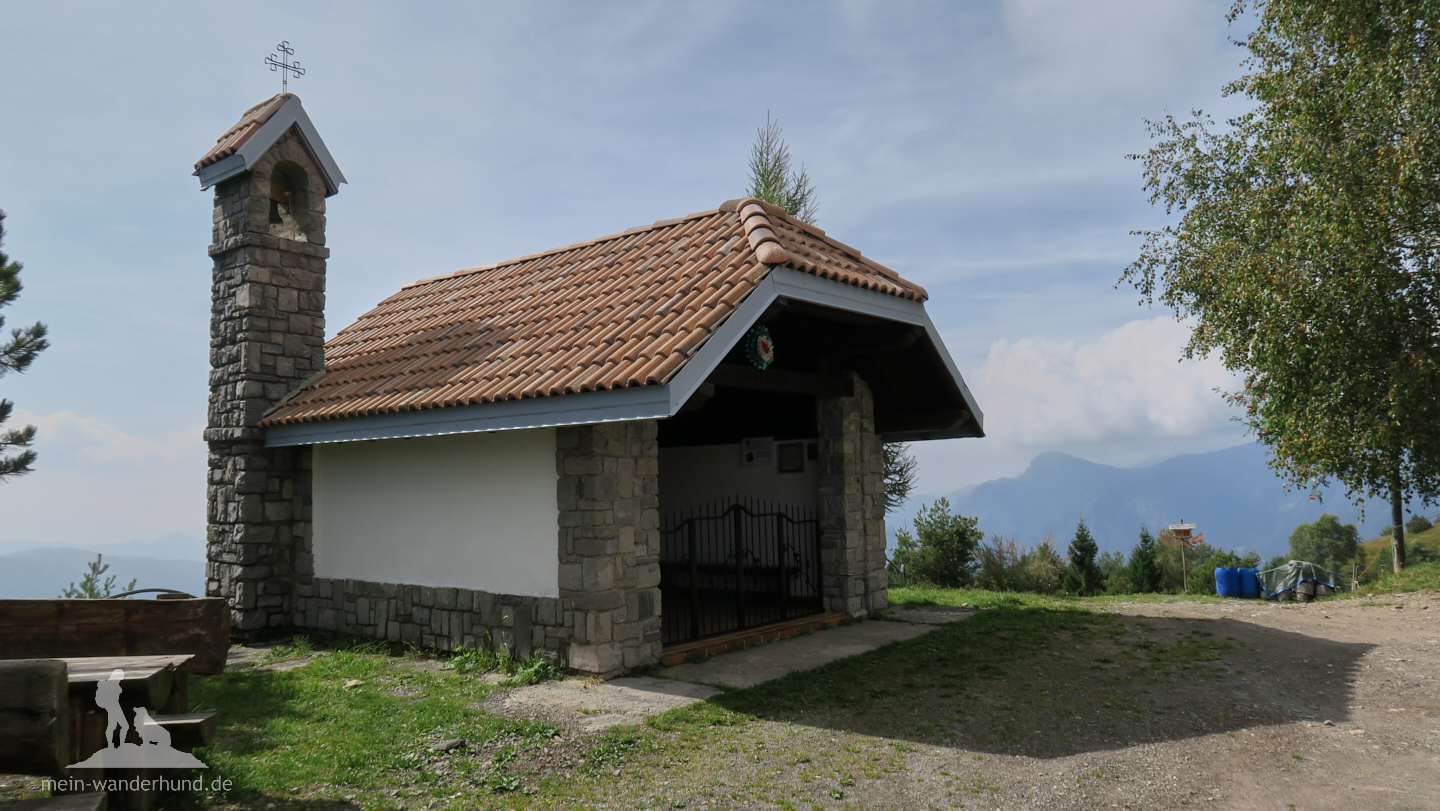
(1250, 583)
(1227, 581)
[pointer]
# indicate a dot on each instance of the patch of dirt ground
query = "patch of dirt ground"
(591, 705)
(1240, 705)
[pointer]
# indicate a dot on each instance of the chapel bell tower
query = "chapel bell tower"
(271, 173)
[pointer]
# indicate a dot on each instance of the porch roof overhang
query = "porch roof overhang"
(960, 416)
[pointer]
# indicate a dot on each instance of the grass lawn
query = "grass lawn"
(919, 596)
(1036, 676)
(1415, 577)
(1428, 540)
(301, 736)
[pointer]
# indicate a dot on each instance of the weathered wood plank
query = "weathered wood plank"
(62, 628)
(34, 716)
(148, 679)
(190, 730)
(36, 685)
(96, 801)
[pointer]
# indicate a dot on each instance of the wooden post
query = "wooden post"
(34, 716)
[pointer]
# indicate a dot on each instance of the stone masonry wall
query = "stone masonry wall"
(436, 617)
(609, 498)
(852, 503)
(267, 332)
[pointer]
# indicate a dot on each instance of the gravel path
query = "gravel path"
(1326, 705)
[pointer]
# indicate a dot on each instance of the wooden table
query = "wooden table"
(150, 681)
(158, 683)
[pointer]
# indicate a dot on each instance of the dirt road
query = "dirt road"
(1173, 705)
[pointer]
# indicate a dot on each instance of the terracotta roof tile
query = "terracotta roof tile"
(249, 124)
(628, 309)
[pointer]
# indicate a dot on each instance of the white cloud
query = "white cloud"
(1108, 48)
(96, 483)
(1124, 399)
(91, 441)
(1130, 383)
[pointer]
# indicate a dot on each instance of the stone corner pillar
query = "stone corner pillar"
(852, 503)
(609, 544)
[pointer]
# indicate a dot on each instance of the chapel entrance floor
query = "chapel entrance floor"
(592, 705)
(763, 662)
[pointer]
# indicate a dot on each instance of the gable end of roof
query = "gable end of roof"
(237, 150)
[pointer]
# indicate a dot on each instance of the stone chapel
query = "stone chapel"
(592, 452)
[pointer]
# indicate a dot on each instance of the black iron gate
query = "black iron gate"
(737, 564)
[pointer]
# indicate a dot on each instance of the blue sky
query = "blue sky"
(977, 148)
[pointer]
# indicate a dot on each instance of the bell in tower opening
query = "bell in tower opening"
(289, 201)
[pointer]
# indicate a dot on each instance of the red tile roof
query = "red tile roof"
(623, 310)
(248, 125)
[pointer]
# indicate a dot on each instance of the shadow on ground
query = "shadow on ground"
(1052, 683)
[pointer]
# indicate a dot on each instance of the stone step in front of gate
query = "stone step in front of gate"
(676, 654)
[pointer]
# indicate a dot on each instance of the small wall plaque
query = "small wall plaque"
(757, 451)
(791, 456)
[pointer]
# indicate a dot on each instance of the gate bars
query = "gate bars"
(736, 564)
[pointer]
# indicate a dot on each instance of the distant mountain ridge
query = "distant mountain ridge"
(1230, 495)
(170, 546)
(172, 561)
(46, 572)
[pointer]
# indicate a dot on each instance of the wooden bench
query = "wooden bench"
(65, 647)
(65, 628)
(34, 717)
(189, 731)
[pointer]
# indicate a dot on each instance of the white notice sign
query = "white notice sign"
(757, 451)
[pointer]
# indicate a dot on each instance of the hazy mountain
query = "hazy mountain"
(172, 546)
(47, 571)
(1230, 495)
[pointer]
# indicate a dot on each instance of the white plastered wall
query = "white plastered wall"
(695, 475)
(474, 511)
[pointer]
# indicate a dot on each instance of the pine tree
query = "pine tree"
(900, 469)
(91, 586)
(772, 180)
(1144, 573)
(942, 549)
(1082, 576)
(16, 355)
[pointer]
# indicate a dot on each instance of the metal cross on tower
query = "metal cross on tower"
(284, 65)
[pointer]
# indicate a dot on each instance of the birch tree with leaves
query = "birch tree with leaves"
(1305, 251)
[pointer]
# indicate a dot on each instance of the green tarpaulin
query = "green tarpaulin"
(1283, 578)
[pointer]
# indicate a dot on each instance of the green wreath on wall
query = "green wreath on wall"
(760, 347)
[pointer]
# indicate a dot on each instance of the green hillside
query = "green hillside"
(1429, 541)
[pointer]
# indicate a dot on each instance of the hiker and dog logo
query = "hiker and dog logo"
(154, 750)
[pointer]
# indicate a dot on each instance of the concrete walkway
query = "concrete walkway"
(752, 666)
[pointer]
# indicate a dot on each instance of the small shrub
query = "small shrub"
(942, 549)
(482, 660)
(1004, 564)
(92, 587)
(298, 648)
(536, 670)
(1418, 524)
